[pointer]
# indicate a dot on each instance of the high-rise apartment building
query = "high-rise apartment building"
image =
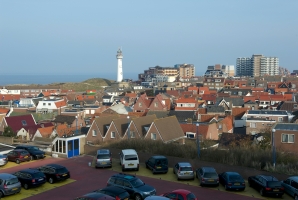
(257, 65)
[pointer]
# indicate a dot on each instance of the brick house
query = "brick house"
(160, 103)
(138, 127)
(285, 137)
(142, 104)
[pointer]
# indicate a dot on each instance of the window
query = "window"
(219, 126)
(44, 104)
(295, 105)
(252, 125)
(155, 104)
(294, 184)
(49, 104)
(132, 134)
(153, 136)
(24, 123)
(94, 133)
(280, 119)
(113, 134)
(287, 138)
(140, 104)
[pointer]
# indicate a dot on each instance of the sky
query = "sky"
(75, 37)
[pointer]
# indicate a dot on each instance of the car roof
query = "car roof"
(127, 151)
(232, 173)
(294, 178)
(125, 176)
(184, 164)
(182, 191)
(98, 195)
(269, 178)
(103, 151)
(114, 189)
(209, 169)
(7, 176)
(159, 157)
(20, 150)
(156, 198)
(30, 171)
(55, 166)
(26, 146)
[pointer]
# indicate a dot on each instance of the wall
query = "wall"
(196, 163)
(6, 140)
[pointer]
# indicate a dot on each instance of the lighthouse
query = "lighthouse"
(119, 57)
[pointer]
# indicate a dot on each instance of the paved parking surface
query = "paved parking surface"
(85, 179)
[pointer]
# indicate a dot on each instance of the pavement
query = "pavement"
(85, 178)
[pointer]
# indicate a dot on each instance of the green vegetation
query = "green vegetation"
(246, 155)
(90, 84)
(8, 132)
(37, 116)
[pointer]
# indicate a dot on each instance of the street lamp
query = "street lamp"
(76, 125)
(198, 140)
(128, 132)
(273, 148)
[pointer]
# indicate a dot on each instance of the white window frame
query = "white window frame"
(94, 133)
(285, 138)
(155, 104)
(253, 125)
(153, 136)
(132, 134)
(113, 134)
(280, 119)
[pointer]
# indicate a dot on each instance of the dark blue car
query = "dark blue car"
(232, 181)
(30, 178)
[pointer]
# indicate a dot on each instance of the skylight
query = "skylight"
(24, 122)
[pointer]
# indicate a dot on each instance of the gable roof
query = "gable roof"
(215, 109)
(141, 123)
(64, 119)
(19, 122)
(159, 114)
(63, 129)
(169, 129)
(182, 116)
(103, 122)
(46, 131)
(239, 112)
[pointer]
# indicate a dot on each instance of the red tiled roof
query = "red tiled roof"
(60, 104)
(239, 112)
(46, 131)
(186, 100)
(228, 122)
(19, 122)
(206, 118)
(8, 97)
(4, 110)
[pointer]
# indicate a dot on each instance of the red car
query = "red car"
(180, 194)
(18, 155)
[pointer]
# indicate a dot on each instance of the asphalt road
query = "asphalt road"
(85, 179)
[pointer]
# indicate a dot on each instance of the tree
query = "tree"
(8, 132)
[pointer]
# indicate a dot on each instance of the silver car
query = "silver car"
(184, 170)
(9, 184)
(103, 158)
(291, 186)
(207, 176)
(3, 160)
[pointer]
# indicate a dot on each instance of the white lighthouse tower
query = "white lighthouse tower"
(119, 57)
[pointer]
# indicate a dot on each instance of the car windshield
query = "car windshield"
(274, 184)
(185, 168)
(162, 162)
(131, 157)
(24, 153)
(61, 170)
(235, 178)
(190, 196)
(38, 175)
(137, 183)
(210, 175)
(103, 156)
(12, 181)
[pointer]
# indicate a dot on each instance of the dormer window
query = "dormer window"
(24, 123)
(295, 105)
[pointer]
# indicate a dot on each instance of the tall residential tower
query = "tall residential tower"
(119, 57)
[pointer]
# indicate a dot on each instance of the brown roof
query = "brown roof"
(206, 118)
(46, 131)
(103, 121)
(141, 122)
(239, 112)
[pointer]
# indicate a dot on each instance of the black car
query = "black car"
(54, 172)
(95, 196)
(266, 185)
(34, 151)
(157, 164)
(30, 178)
(115, 192)
(133, 185)
(232, 181)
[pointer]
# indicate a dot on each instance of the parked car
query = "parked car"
(156, 198)
(54, 172)
(129, 159)
(207, 176)
(291, 186)
(133, 185)
(95, 196)
(103, 158)
(184, 170)
(266, 185)
(232, 181)
(18, 156)
(30, 178)
(115, 191)
(3, 160)
(9, 184)
(180, 194)
(35, 152)
(157, 164)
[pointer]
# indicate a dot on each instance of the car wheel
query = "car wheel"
(147, 166)
(226, 187)
(137, 169)
(173, 171)
(51, 180)
(31, 158)
(249, 184)
(26, 186)
(17, 161)
(152, 171)
(138, 197)
(296, 197)
(123, 169)
(262, 192)
(1, 194)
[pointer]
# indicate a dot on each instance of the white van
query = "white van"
(129, 159)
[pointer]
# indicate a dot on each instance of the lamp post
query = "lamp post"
(273, 148)
(76, 125)
(198, 140)
(128, 131)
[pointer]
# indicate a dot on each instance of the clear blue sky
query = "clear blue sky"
(82, 37)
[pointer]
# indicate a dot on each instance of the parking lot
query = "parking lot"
(85, 178)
